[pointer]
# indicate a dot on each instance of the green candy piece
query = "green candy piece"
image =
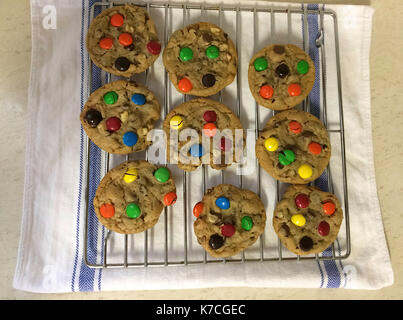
(212, 52)
(247, 223)
(286, 157)
(110, 97)
(133, 210)
(186, 54)
(260, 64)
(302, 67)
(162, 174)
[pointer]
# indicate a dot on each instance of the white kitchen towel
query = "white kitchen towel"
(51, 252)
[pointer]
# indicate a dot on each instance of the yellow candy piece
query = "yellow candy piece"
(298, 219)
(130, 175)
(305, 171)
(176, 122)
(271, 144)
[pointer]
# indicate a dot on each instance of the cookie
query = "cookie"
(229, 220)
(118, 116)
(131, 196)
(201, 59)
(294, 147)
(281, 76)
(217, 135)
(123, 40)
(307, 220)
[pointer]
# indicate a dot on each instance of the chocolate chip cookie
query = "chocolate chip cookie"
(229, 220)
(201, 59)
(307, 220)
(203, 131)
(131, 196)
(281, 76)
(118, 116)
(123, 40)
(294, 147)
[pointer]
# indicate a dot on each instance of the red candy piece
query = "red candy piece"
(117, 20)
(302, 201)
(170, 198)
(295, 127)
(210, 116)
(125, 39)
(315, 148)
(185, 85)
(113, 124)
(225, 144)
(107, 210)
(154, 47)
(198, 209)
(266, 91)
(294, 89)
(227, 230)
(323, 228)
(209, 129)
(106, 43)
(328, 208)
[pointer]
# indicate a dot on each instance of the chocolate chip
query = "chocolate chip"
(279, 49)
(282, 70)
(122, 64)
(306, 243)
(216, 241)
(93, 117)
(207, 37)
(130, 47)
(280, 166)
(285, 230)
(208, 80)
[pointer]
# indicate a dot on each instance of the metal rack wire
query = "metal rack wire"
(336, 132)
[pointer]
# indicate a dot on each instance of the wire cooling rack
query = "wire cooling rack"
(172, 242)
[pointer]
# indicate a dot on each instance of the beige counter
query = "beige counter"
(387, 117)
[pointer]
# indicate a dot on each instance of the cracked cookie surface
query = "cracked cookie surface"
(218, 135)
(131, 196)
(307, 220)
(123, 40)
(201, 59)
(293, 147)
(229, 220)
(118, 116)
(281, 76)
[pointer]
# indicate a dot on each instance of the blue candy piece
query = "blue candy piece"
(130, 138)
(138, 99)
(222, 203)
(196, 150)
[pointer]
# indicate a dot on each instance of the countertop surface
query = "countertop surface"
(387, 119)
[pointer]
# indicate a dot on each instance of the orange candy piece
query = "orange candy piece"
(106, 43)
(295, 127)
(294, 89)
(117, 20)
(125, 39)
(107, 210)
(185, 85)
(328, 208)
(209, 129)
(198, 209)
(170, 198)
(266, 91)
(315, 148)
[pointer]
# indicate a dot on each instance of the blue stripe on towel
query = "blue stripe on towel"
(81, 153)
(322, 277)
(87, 275)
(332, 271)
